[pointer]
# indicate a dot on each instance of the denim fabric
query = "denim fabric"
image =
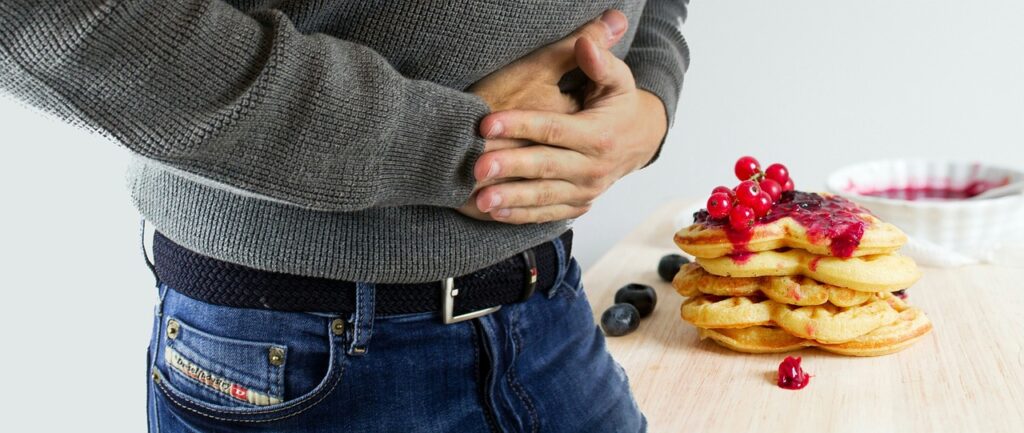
(535, 366)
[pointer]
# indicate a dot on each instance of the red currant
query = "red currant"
(741, 218)
(788, 186)
(719, 205)
(762, 204)
(747, 167)
(746, 193)
(777, 172)
(724, 189)
(773, 188)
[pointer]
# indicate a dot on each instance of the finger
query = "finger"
(576, 132)
(602, 67)
(504, 143)
(540, 214)
(559, 56)
(532, 162)
(469, 209)
(531, 193)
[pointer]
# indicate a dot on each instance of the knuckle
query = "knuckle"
(552, 130)
(605, 143)
(594, 176)
(545, 195)
(548, 168)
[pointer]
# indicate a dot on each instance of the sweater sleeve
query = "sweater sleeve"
(659, 55)
(244, 99)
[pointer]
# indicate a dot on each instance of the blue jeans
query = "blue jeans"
(535, 366)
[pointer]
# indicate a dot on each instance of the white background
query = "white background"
(813, 84)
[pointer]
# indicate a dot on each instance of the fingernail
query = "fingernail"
(503, 213)
(495, 201)
(493, 171)
(615, 25)
(495, 130)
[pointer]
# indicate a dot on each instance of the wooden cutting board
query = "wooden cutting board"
(966, 376)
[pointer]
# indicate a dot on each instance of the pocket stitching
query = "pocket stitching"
(167, 393)
(207, 392)
(220, 398)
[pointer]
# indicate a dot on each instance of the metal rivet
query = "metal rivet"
(172, 329)
(156, 376)
(338, 326)
(359, 349)
(276, 356)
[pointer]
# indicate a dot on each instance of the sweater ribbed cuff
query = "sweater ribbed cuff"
(441, 174)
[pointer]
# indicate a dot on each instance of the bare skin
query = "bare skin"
(546, 158)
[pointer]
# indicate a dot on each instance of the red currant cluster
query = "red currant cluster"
(753, 197)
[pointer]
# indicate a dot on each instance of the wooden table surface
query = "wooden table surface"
(966, 376)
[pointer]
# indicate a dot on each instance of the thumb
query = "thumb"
(607, 72)
(559, 58)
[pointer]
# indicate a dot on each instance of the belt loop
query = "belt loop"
(145, 255)
(362, 319)
(563, 266)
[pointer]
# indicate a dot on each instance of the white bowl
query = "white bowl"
(943, 232)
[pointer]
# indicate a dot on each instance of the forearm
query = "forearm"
(245, 100)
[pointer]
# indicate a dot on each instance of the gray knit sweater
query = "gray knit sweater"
(327, 138)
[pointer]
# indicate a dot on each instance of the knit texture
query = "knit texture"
(329, 139)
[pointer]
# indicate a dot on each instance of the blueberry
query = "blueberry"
(641, 296)
(619, 320)
(669, 266)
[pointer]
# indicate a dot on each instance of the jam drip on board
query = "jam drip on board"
(791, 375)
(833, 219)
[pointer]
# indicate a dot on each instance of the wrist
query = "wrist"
(654, 109)
(656, 126)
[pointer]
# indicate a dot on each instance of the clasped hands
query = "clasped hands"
(549, 155)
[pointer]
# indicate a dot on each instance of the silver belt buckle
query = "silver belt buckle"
(449, 292)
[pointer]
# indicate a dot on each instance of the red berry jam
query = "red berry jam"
(830, 219)
(741, 258)
(791, 375)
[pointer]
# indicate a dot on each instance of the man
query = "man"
(362, 208)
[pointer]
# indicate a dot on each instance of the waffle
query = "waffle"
(910, 327)
(692, 280)
(735, 312)
(826, 323)
(829, 324)
(881, 273)
(714, 240)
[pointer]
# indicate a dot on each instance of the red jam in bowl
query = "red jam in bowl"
(833, 219)
(938, 190)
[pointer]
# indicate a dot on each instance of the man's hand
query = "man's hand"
(531, 83)
(580, 155)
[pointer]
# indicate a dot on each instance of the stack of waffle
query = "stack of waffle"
(801, 280)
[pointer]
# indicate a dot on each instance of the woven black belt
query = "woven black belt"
(222, 283)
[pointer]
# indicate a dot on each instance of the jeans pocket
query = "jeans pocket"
(241, 365)
(221, 370)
